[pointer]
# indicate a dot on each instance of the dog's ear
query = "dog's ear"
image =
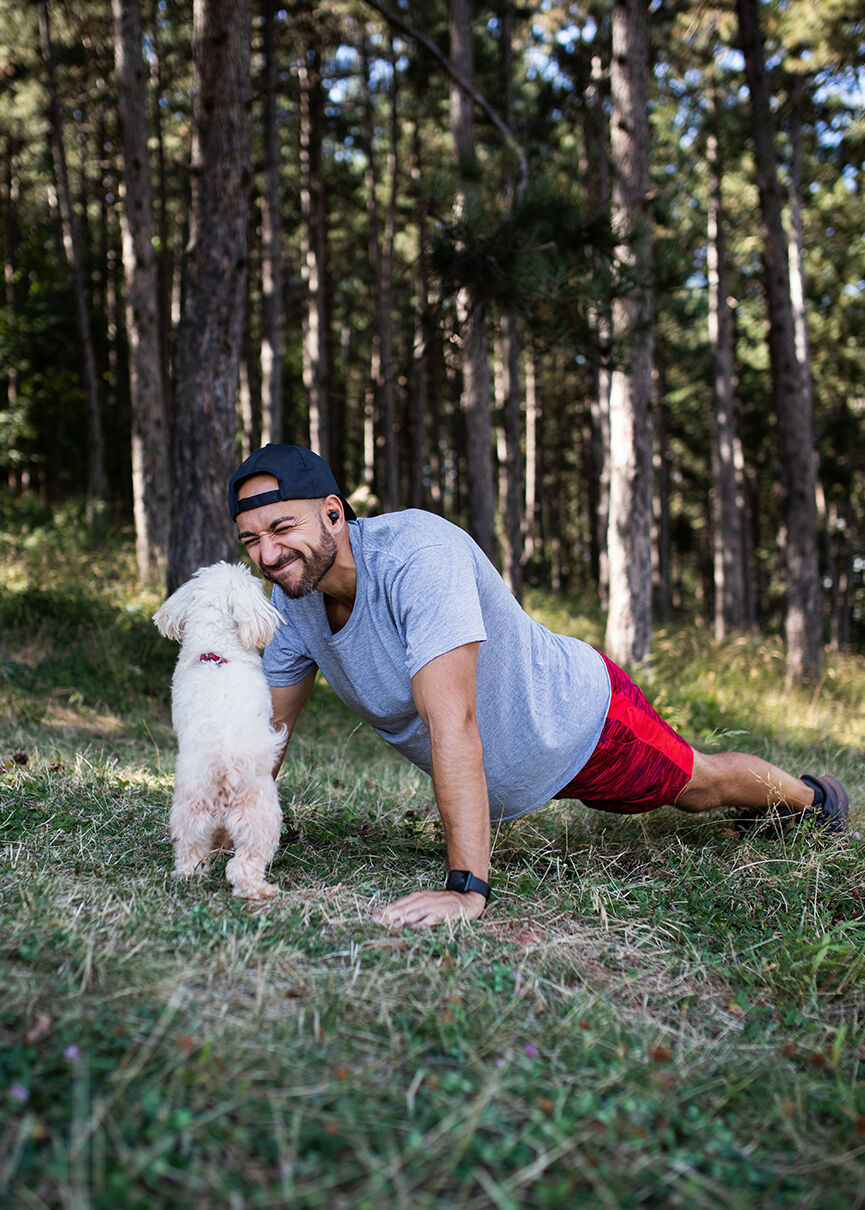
(256, 619)
(171, 614)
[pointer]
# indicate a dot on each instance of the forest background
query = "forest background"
(588, 279)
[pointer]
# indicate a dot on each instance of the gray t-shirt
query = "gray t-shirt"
(425, 587)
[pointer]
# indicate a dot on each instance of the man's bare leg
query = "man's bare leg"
(735, 779)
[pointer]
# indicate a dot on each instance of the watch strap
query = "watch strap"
(465, 881)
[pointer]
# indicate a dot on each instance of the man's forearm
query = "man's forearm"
(460, 787)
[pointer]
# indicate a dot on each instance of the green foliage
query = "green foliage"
(653, 1012)
(546, 256)
(538, 257)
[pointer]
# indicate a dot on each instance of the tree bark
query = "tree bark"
(313, 211)
(511, 499)
(72, 249)
(380, 426)
(208, 347)
(420, 397)
(11, 240)
(386, 316)
(162, 219)
(531, 462)
(271, 239)
(151, 494)
(792, 405)
(629, 534)
(662, 544)
(598, 171)
(471, 311)
(728, 510)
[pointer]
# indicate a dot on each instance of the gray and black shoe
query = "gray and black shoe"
(827, 815)
(831, 805)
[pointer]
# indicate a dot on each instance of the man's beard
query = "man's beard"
(312, 567)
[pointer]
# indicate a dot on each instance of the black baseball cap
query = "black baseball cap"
(301, 475)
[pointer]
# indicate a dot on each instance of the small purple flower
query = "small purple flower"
(19, 1093)
(72, 1054)
(531, 1050)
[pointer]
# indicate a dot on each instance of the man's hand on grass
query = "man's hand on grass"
(423, 908)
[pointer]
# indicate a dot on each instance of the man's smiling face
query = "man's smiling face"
(288, 540)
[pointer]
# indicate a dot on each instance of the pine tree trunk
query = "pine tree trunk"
(11, 241)
(74, 255)
(532, 425)
(386, 316)
(792, 405)
(421, 362)
(471, 311)
(728, 513)
(511, 404)
(313, 211)
(150, 480)
(629, 534)
(662, 543)
(372, 423)
(208, 346)
(598, 173)
(271, 240)
(163, 223)
(511, 493)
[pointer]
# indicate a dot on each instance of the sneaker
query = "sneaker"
(829, 819)
(831, 815)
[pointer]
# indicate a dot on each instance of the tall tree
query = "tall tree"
(792, 402)
(208, 346)
(629, 532)
(471, 309)
(11, 240)
(727, 506)
(594, 113)
(271, 238)
(511, 500)
(72, 244)
(314, 260)
(380, 408)
(423, 408)
(150, 478)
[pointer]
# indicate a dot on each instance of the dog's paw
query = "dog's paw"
(196, 871)
(261, 890)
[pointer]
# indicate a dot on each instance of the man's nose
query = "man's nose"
(269, 549)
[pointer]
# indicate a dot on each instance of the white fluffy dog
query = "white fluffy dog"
(221, 710)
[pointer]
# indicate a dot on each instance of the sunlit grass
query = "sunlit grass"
(653, 1012)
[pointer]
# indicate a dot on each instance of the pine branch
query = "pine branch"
(405, 27)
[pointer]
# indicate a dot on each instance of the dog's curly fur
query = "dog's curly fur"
(221, 711)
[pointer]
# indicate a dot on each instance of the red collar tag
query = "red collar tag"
(214, 659)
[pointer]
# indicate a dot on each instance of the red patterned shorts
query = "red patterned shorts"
(640, 763)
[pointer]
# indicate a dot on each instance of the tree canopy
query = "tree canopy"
(378, 233)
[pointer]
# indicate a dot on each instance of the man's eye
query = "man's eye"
(281, 529)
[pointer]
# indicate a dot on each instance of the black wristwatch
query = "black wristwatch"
(465, 881)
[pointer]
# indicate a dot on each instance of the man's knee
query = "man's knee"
(701, 792)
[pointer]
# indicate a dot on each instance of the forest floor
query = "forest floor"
(654, 1012)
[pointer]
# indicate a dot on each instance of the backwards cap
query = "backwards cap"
(300, 474)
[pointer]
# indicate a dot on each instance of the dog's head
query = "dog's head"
(223, 596)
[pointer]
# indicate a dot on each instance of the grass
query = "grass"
(652, 1013)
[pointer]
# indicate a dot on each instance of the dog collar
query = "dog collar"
(214, 659)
